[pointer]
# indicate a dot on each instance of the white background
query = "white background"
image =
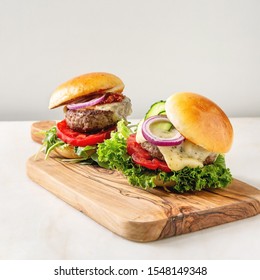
(157, 47)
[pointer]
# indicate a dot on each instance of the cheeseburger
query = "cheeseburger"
(179, 144)
(188, 131)
(93, 104)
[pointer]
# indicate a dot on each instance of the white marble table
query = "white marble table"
(34, 224)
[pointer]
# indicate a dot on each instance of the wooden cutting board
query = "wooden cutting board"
(137, 214)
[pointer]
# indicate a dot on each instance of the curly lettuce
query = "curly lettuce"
(112, 153)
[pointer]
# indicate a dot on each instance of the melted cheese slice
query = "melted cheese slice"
(120, 109)
(185, 154)
(177, 157)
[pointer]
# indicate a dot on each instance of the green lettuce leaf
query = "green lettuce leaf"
(51, 141)
(112, 154)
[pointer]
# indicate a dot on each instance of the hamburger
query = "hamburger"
(179, 144)
(93, 104)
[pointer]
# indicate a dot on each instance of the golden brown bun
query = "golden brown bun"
(160, 183)
(87, 84)
(200, 120)
(68, 152)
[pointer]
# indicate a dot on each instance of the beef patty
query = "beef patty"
(153, 150)
(96, 118)
(87, 120)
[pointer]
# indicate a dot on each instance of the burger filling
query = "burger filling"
(186, 154)
(88, 120)
(179, 156)
(153, 150)
(101, 116)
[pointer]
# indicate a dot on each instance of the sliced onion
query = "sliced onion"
(156, 140)
(91, 102)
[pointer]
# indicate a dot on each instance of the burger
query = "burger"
(179, 144)
(93, 104)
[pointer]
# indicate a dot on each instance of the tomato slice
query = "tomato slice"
(142, 157)
(74, 138)
(162, 165)
(134, 147)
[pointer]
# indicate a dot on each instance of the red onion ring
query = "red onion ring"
(92, 102)
(156, 140)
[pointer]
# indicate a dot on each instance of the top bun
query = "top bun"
(200, 120)
(87, 84)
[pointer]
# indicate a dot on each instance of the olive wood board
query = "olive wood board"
(137, 214)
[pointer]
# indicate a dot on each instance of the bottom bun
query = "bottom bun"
(160, 183)
(68, 152)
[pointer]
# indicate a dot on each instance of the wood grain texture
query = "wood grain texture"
(136, 214)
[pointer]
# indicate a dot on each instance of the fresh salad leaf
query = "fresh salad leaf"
(51, 141)
(84, 152)
(112, 153)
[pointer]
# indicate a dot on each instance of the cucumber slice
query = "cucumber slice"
(167, 126)
(162, 113)
(162, 126)
(156, 109)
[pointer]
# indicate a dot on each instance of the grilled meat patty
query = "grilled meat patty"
(153, 150)
(92, 119)
(87, 120)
